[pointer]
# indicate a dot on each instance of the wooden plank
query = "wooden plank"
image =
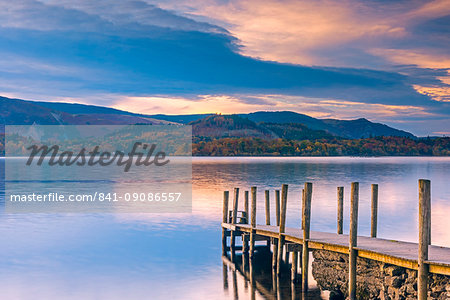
(257, 237)
(353, 240)
(328, 246)
(439, 269)
(424, 214)
(374, 209)
(229, 226)
(272, 234)
(340, 210)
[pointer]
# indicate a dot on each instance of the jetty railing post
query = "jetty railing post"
(267, 194)
(225, 220)
(374, 214)
(267, 207)
(284, 192)
(275, 241)
(245, 238)
(277, 206)
(306, 221)
(247, 215)
(340, 210)
(303, 208)
(424, 223)
(429, 219)
(353, 240)
(253, 221)
(234, 218)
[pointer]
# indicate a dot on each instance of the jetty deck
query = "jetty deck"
(298, 242)
(403, 254)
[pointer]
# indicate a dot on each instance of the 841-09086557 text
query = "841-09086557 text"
(98, 196)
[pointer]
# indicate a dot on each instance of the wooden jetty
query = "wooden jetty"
(421, 256)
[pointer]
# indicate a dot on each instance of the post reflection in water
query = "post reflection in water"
(262, 278)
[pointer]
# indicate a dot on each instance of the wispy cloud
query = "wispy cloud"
(328, 58)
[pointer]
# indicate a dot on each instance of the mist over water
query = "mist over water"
(136, 256)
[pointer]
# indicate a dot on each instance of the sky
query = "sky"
(387, 61)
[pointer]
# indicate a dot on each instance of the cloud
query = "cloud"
(292, 31)
(94, 16)
(103, 51)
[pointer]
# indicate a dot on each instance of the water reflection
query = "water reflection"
(256, 279)
(163, 256)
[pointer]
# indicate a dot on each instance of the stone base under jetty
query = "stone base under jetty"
(375, 280)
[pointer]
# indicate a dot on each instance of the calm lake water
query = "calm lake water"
(178, 256)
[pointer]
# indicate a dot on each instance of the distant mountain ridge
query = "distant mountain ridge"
(262, 124)
(354, 129)
(235, 126)
(23, 112)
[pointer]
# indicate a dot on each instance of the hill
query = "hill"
(219, 126)
(281, 133)
(22, 112)
(16, 111)
(353, 129)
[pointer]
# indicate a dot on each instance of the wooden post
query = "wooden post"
(340, 211)
(268, 212)
(374, 215)
(306, 220)
(353, 240)
(245, 238)
(252, 281)
(267, 207)
(225, 206)
(303, 208)
(234, 218)
(294, 259)
(424, 223)
(235, 285)
(275, 241)
(225, 220)
(274, 284)
(277, 206)
(247, 215)
(253, 221)
(284, 191)
(225, 276)
(429, 219)
(275, 253)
